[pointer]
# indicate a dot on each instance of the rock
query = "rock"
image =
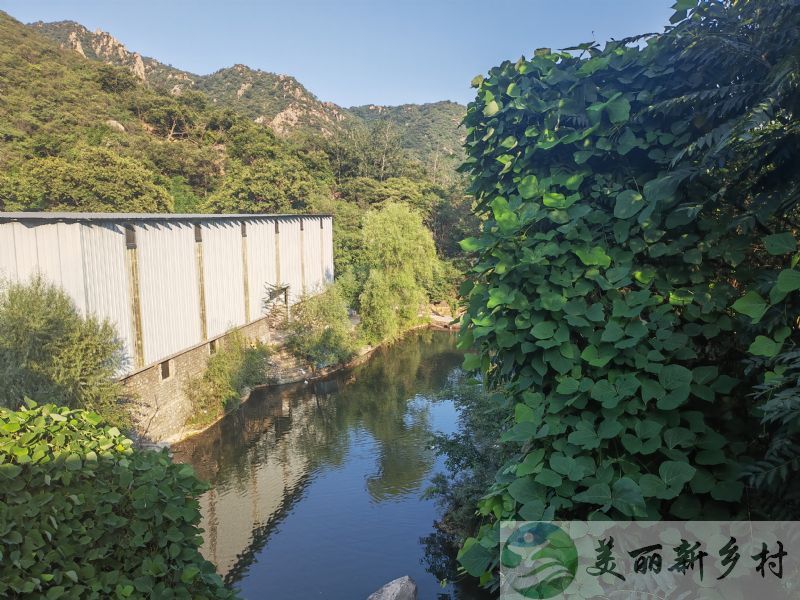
(402, 588)
(115, 125)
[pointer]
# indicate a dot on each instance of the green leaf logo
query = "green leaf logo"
(539, 560)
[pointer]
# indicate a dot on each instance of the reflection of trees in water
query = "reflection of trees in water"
(312, 425)
(440, 561)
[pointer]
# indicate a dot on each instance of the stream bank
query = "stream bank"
(162, 408)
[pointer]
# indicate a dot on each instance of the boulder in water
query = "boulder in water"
(402, 588)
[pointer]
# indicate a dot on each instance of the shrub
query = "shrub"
(85, 515)
(389, 304)
(320, 331)
(48, 351)
(236, 367)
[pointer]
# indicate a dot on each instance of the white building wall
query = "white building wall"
(52, 251)
(312, 246)
(88, 259)
(106, 281)
(70, 256)
(261, 263)
(168, 288)
(8, 253)
(291, 249)
(327, 249)
(27, 255)
(224, 279)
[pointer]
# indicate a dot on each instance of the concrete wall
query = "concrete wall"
(161, 406)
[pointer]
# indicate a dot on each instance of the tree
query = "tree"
(367, 151)
(282, 184)
(400, 260)
(639, 206)
(88, 179)
(50, 353)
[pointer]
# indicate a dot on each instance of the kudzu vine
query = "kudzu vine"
(636, 274)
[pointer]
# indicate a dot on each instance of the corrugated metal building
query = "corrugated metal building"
(169, 282)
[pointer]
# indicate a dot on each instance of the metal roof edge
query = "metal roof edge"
(128, 217)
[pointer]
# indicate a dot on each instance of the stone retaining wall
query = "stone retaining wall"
(157, 394)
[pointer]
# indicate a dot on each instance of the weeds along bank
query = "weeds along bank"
(634, 295)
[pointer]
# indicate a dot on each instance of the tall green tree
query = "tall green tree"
(400, 262)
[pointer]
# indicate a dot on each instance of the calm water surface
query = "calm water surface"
(317, 488)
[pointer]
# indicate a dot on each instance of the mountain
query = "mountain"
(278, 101)
(78, 134)
(429, 132)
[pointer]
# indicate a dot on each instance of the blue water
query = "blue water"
(317, 489)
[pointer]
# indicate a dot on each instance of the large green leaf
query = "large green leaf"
(593, 256)
(764, 346)
(788, 280)
(675, 473)
(780, 243)
(626, 497)
(628, 203)
(752, 305)
(528, 187)
(599, 493)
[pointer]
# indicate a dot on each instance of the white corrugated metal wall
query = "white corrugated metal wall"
(105, 278)
(312, 247)
(223, 276)
(88, 259)
(168, 288)
(260, 263)
(291, 258)
(327, 249)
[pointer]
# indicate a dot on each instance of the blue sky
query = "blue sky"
(354, 52)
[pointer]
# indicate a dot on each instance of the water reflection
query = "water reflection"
(329, 474)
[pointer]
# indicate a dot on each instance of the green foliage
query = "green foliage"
(88, 180)
(632, 196)
(235, 367)
(320, 331)
(430, 133)
(185, 198)
(367, 151)
(48, 352)
(400, 259)
(279, 185)
(84, 515)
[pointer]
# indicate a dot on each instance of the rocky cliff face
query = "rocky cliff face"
(278, 101)
(102, 46)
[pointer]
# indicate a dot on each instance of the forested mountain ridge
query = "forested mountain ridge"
(82, 135)
(430, 132)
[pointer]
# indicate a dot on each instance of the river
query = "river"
(317, 489)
